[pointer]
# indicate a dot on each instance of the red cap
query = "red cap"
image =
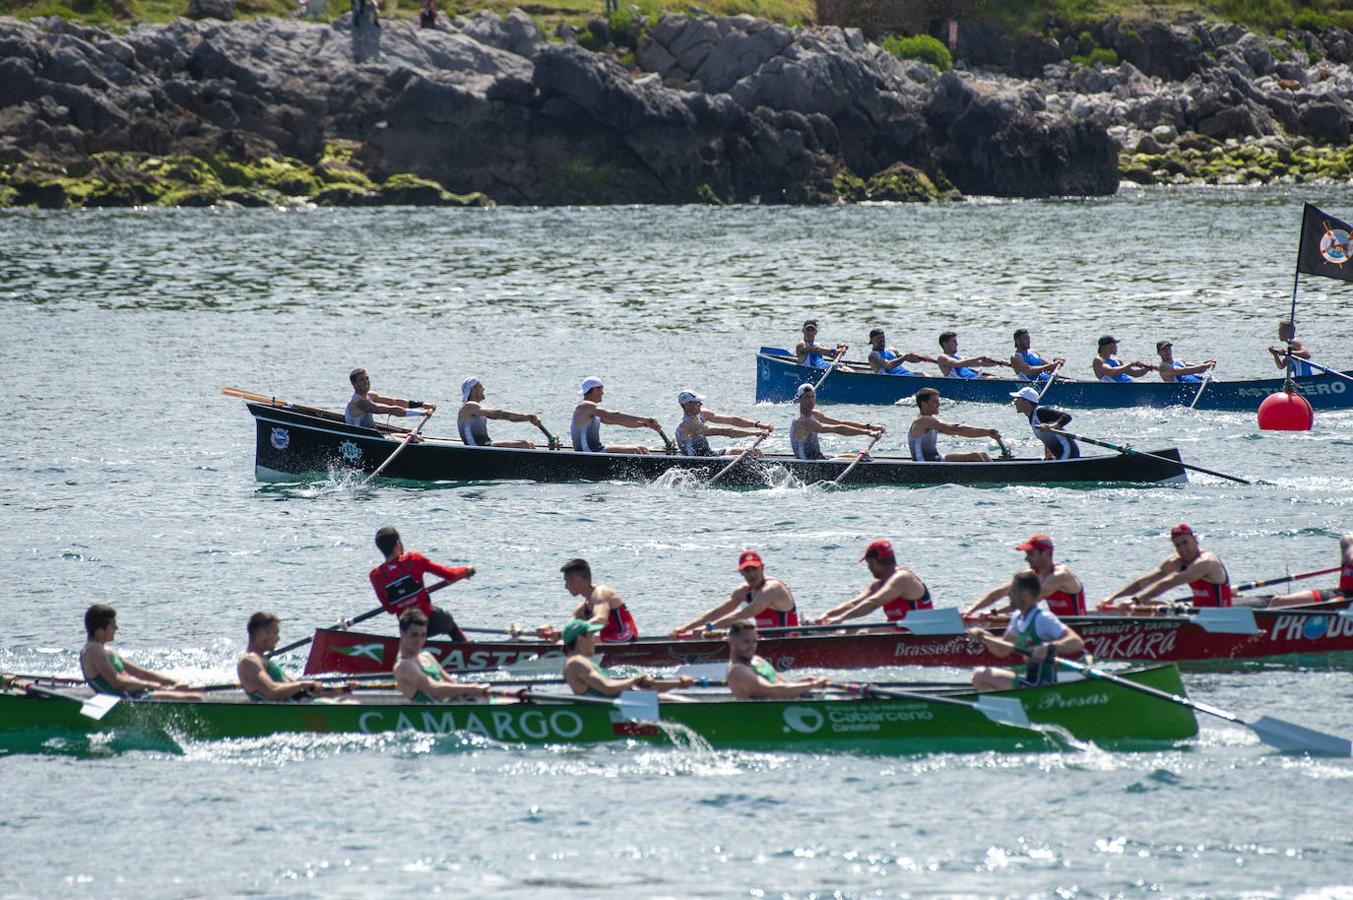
(879, 550)
(750, 560)
(1179, 529)
(1039, 541)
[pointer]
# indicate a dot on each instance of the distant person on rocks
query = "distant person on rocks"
(954, 366)
(1107, 367)
(366, 404)
(1028, 365)
(472, 420)
(108, 673)
(809, 352)
(1287, 333)
(398, 583)
(1172, 369)
(366, 33)
(886, 360)
(427, 15)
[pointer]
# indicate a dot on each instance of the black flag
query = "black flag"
(1326, 245)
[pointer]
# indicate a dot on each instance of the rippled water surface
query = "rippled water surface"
(125, 477)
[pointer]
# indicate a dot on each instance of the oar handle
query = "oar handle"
(551, 439)
(371, 613)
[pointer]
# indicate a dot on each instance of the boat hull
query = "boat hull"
(777, 378)
(291, 445)
(1088, 710)
(1294, 634)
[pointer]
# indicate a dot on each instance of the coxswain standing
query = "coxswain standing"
(811, 422)
(1200, 569)
(601, 604)
(808, 352)
(922, 437)
(263, 679)
(885, 360)
(108, 673)
(398, 583)
(768, 601)
(1042, 421)
(585, 677)
(752, 678)
(895, 589)
(1344, 589)
(1058, 586)
(472, 420)
(366, 404)
(1028, 365)
(418, 676)
(1108, 368)
(1287, 333)
(1172, 369)
(588, 416)
(954, 366)
(693, 432)
(1032, 629)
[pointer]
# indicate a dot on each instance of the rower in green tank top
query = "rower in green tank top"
(108, 673)
(587, 678)
(418, 675)
(752, 678)
(262, 679)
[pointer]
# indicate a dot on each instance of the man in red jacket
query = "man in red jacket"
(398, 583)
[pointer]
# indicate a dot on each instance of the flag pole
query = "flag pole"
(1296, 283)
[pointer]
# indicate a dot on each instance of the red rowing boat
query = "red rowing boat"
(1233, 634)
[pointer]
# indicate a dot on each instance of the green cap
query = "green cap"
(576, 628)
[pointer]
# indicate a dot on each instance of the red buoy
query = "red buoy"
(1286, 411)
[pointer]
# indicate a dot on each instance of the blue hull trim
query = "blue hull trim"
(778, 376)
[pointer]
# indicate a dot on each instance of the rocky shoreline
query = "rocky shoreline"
(485, 110)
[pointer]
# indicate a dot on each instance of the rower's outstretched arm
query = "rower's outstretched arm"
(836, 611)
(712, 616)
(625, 420)
(1137, 584)
(989, 598)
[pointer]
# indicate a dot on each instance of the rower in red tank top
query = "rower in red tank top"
(601, 604)
(1061, 590)
(1342, 592)
(1191, 565)
(768, 601)
(894, 589)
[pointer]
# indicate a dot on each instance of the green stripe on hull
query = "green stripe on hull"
(1089, 711)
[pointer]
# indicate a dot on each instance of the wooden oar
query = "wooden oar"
(1251, 585)
(1207, 379)
(830, 369)
(372, 613)
(1274, 732)
(856, 461)
(1327, 370)
(552, 440)
(1052, 376)
(741, 456)
(1129, 450)
(669, 446)
(400, 449)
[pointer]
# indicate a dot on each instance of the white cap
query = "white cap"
(803, 389)
(589, 383)
(1026, 393)
(466, 386)
(689, 397)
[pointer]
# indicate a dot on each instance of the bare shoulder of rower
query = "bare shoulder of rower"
(468, 410)
(1062, 579)
(248, 669)
(584, 411)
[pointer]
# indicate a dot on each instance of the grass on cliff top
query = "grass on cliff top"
(1265, 15)
(548, 14)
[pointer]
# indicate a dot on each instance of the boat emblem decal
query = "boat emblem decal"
(374, 652)
(803, 719)
(281, 438)
(351, 452)
(1336, 246)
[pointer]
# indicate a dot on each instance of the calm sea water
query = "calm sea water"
(125, 477)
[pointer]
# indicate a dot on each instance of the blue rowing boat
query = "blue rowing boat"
(778, 375)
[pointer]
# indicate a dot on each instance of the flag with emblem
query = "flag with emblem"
(1326, 245)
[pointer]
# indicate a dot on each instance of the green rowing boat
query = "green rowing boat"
(904, 722)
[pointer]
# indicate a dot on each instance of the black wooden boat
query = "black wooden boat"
(294, 443)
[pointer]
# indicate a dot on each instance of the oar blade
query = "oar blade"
(934, 621)
(638, 706)
(99, 705)
(1227, 620)
(1005, 710)
(1294, 738)
(539, 665)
